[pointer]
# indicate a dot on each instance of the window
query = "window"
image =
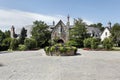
(61, 29)
(105, 33)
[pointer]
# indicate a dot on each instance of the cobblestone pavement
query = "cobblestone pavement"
(35, 65)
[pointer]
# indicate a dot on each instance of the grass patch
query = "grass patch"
(116, 48)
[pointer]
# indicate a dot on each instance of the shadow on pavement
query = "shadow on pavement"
(78, 54)
(1, 65)
(4, 52)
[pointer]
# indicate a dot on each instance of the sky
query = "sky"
(21, 13)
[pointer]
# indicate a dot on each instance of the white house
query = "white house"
(106, 33)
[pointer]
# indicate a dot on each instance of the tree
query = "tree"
(41, 33)
(14, 44)
(2, 37)
(78, 33)
(7, 42)
(4, 41)
(7, 34)
(98, 25)
(30, 43)
(23, 35)
(115, 33)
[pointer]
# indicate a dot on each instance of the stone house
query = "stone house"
(60, 32)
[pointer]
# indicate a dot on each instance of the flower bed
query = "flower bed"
(60, 50)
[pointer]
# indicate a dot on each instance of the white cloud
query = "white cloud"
(88, 22)
(19, 18)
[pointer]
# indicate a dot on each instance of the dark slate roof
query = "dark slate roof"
(93, 29)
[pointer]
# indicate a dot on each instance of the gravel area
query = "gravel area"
(35, 65)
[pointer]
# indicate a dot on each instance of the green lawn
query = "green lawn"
(116, 48)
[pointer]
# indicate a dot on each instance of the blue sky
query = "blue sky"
(91, 11)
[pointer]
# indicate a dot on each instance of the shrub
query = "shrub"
(10, 50)
(30, 43)
(22, 47)
(46, 49)
(68, 49)
(52, 49)
(62, 49)
(75, 49)
(107, 43)
(94, 43)
(87, 43)
(91, 43)
(14, 44)
(58, 45)
(71, 43)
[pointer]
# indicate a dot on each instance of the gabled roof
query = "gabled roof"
(59, 23)
(104, 29)
(107, 28)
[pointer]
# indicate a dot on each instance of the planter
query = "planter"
(60, 50)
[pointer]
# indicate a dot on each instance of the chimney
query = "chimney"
(109, 24)
(68, 20)
(53, 23)
(12, 31)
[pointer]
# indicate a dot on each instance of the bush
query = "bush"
(63, 49)
(72, 43)
(22, 47)
(14, 44)
(94, 43)
(52, 49)
(46, 49)
(10, 50)
(75, 49)
(107, 43)
(78, 43)
(30, 43)
(91, 43)
(87, 43)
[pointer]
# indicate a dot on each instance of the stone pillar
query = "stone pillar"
(12, 33)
